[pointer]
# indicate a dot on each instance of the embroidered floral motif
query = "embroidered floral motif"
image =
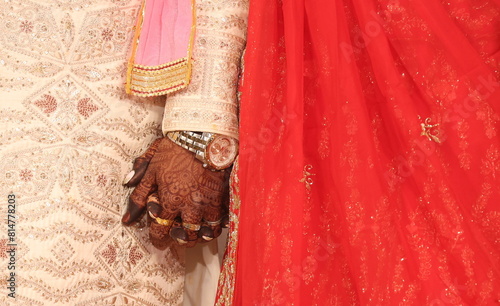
(109, 254)
(26, 26)
(102, 180)
(86, 108)
(67, 105)
(26, 175)
(135, 255)
(121, 255)
(307, 179)
(107, 34)
(47, 104)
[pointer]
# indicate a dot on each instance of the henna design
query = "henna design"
(172, 183)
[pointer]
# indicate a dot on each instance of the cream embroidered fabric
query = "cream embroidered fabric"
(209, 103)
(68, 136)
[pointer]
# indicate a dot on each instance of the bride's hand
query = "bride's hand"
(184, 200)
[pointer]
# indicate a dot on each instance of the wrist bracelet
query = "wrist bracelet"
(215, 151)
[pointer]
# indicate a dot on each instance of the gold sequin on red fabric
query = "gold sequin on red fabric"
(431, 131)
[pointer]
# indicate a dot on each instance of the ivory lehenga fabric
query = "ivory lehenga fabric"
(69, 135)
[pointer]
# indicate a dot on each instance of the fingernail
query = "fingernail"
(180, 241)
(126, 218)
(207, 238)
(129, 176)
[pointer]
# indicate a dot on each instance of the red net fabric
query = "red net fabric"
(370, 154)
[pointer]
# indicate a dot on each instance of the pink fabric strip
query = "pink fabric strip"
(165, 32)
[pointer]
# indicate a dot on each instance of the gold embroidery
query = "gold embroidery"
(307, 180)
(430, 131)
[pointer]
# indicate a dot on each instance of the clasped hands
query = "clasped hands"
(184, 201)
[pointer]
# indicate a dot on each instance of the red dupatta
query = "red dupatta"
(369, 168)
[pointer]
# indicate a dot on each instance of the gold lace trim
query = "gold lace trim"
(147, 81)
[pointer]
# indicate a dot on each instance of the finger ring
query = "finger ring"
(160, 220)
(214, 223)
(190, 226)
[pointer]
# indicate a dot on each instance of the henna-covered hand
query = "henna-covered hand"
(184, 200)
